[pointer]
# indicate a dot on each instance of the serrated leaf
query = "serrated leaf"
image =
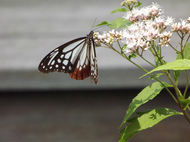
(119, 10)
(144, 96)
(146, 120)
(180, 64)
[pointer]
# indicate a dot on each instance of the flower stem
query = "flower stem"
(123, 55)
(187, 84)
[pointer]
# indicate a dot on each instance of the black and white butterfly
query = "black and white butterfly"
(77, 57)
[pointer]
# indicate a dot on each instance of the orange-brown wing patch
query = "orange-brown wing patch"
(81, 72)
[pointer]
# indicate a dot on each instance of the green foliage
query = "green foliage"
(156, 76)
(176, 74)
(181, 64)
(186, 52)
(132, 56)
(119, 10)
(143, 97)
(138, 4)
(145, 120)
(185, 102)
(118, 23)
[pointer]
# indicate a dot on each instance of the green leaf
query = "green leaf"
(176, 74)
(119, 10)
(145, 120)
(118, 23)
(185, 102)
(157, 62)
(132, 56)
(102, 24)
(144, 96)
(180, 64)
(123, 48)
(186, 52)
(156, 76)
(138, 4)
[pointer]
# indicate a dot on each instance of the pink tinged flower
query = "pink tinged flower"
(119, 35)
(128, 2)
(185, 27)
(169, 21)
(160, 23)
(108, 37)
(132, 15)
(155, 10)
(182, 26)
(188, 19)
(165, 38)
(175, 27)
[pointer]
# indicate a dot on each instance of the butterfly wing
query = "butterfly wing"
(62, 58)
(93, 61)
(77, 57)
(87, 63)
(82, 69)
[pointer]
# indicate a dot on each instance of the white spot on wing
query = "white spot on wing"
(80, 68)
(70, 68)
(59, 60)
(65, 62)
(53, 54)
(68, 55)
(53, 62)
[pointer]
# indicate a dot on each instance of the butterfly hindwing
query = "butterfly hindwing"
(82, 69)
(93, 61)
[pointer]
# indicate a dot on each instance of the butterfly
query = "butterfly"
(76, 57)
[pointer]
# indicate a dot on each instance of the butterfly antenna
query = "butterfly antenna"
(93, 25)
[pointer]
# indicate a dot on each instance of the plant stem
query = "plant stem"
(185, 114)
(187, 84)
(187, 40)
(123, 55)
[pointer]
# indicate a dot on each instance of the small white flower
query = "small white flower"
(155, 10)
(188, 19)
(169, 21)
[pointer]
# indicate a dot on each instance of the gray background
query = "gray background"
(31, 29)
(55, 108)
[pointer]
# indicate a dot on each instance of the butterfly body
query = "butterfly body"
(77, 57)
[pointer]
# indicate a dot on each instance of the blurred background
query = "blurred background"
(53, 107)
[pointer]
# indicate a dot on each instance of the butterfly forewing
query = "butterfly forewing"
(63, 58)
(77, 57)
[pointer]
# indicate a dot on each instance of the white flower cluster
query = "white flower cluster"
(183, 26)
(128, 2)
(147, 26)
(108, 38)
(145, 13)
(140, 34)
